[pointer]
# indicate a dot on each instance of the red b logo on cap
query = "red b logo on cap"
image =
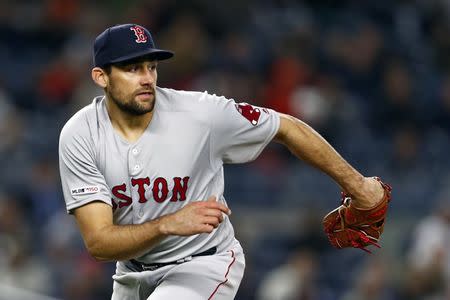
(140, 34)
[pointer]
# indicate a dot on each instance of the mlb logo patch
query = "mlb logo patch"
(85, 190)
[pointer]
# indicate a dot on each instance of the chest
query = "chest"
(161, 166)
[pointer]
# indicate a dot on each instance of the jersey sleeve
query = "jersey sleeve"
(240, 131)
(81, 180)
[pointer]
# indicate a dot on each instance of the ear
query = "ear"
(100, 77)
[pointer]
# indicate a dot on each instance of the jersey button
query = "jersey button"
(137, 167)
(135, 151)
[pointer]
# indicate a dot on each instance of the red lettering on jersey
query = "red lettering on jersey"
(116, 191)
(160, 191)
(139, 32)
(249, 112)
(160, 187)
(179, 189)
(140, 182)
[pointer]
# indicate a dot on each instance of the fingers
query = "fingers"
(211, 216)
(188, 222)
(196, 217)
(205, 228)
(213, 221)
(213, 213)
(212, 203)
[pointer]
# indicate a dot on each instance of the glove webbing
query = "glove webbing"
(362, 235)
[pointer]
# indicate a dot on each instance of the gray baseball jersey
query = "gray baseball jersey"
(178, 159)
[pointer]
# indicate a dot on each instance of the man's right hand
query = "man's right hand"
(194, 218)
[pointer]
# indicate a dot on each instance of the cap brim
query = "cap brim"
(157, 54)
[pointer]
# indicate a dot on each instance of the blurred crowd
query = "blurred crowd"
(373, 77)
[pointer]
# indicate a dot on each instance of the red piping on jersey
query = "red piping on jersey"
(226, 274)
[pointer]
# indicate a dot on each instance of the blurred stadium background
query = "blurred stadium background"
(373, 77)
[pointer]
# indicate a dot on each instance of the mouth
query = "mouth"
(145, 94)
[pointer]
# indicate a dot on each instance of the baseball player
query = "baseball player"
(142, 172)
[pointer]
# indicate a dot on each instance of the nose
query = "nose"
(148, 77)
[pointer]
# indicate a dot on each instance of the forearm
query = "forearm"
(106, 241)
(121, 242)
(308, 145)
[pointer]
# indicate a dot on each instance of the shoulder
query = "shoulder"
(82, 124)
(193, 100)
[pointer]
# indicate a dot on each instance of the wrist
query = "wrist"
(370, 194)
(354, 185)
(162, 226)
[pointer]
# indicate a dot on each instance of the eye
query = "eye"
(152, 67)
(133, 68)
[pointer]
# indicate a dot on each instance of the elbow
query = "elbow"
(101, 251)
(101, 259)
(97, 254)
(96, 250)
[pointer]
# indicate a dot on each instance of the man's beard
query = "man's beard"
(130, 106)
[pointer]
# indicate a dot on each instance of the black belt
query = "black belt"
(139, 266)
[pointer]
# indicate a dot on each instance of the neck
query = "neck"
(129, 126)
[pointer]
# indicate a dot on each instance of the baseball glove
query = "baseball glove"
(348, 226)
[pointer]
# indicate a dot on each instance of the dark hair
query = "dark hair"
(107, 69)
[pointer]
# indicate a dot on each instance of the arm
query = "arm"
(308, 145)
(106, 241)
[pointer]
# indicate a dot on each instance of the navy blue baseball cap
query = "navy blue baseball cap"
(124, 42)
